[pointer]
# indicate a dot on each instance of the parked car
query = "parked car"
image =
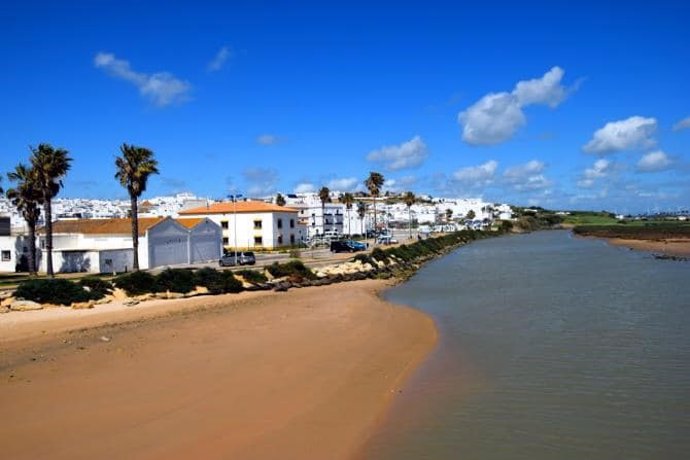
(386, 239)
(357, 245)
(347, 246)
(242, 258)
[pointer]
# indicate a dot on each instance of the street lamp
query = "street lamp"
(234, 198)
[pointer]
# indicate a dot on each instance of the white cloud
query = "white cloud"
(492, 119)
(525, 170)
(545, 90)
(682, 124)
(654, 161)
(219, 59)
(496, 117)
(477, 175)
(267, 139)
(161, 88)
(527, 177)
(600, 170)
(305, 187)
(260, 181)
(346, 184)
(406, 155)
(629, 134)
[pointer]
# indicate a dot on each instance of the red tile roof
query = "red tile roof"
(228, 207)
(112, 226)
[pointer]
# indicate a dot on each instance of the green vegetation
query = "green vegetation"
(657, 230)
(217, 282)
(54, 291)
(174, 280)
(136, 283)
(574, 218)
(252, 276)
(97, 286)
(293, 269)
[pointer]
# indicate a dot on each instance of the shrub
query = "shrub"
(217, 282)
(98, 287)
(365, 259)
(252, 276)
(55, 291)
(136, 283)
(175, 280)
(293, 268)
(230, 283)
(379, 254)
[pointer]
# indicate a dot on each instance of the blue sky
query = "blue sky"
(571, 105)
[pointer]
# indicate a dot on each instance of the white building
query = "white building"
(250, 225)
(105, 245)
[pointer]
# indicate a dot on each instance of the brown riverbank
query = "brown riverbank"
(303, 374)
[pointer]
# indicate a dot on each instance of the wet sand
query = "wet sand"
(669, 247)
(305, 374)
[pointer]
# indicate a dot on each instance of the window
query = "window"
(280, 223)
(258, 241)
(6, 256)
(292, 239)
(292, 223)
(226, 241)
(280, 239)
(224, 224)
(257, 225)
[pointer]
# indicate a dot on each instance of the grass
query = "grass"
(589, 218)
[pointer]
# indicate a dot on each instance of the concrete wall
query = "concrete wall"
(167, 244)
(116, 260)
(205, 242)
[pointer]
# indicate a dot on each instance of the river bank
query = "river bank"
(300, 374)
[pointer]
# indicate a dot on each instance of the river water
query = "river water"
(551, 347)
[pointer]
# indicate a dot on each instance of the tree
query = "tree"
(409, 198)
(373, 183)
(348, 199)
(49, 166)
(134, 168)
(26, 198)
(471, 215)
(325, 197)
(280, 200)
(361, 212)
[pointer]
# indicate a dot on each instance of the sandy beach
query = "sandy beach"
(305, 374)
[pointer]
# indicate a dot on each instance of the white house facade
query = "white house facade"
(253, 225)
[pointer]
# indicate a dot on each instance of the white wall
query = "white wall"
(7, 244)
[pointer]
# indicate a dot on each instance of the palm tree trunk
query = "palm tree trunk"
(32, 248)
(409, 220)
(135, 231)
(48, 211)
(375, 226)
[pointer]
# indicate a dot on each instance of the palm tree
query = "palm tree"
(133, 170)
(374, 183)
(325, 197)
(409, 200)
(280, 200)
(26, 198)
(49, 166)
(348, 199)
(361, 212)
